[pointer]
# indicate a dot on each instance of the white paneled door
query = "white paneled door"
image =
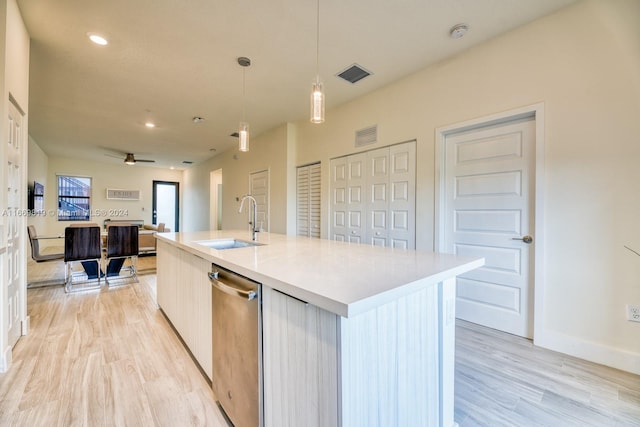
(347, 198)
(373, 197)
(489, 205)
(15, 224)
(259, 189)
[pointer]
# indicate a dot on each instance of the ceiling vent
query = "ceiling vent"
(367, 136)
(187, 162)
(235, 135)
(354, 73)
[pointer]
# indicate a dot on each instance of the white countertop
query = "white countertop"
(343, 278)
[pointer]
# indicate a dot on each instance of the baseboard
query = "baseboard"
(6, 359)
(593, 352)
(26, 325)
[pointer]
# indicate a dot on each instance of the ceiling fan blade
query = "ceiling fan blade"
(146, 161)
(114, 156)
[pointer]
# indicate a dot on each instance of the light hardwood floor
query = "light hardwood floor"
(503, 380)
(102, 358)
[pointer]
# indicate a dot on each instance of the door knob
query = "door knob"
(526, 239)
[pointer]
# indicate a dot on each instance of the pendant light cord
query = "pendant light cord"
(244, 69)
(317, 40)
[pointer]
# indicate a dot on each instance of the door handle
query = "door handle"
(526, 239)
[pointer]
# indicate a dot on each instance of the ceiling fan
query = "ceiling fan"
(130, 159)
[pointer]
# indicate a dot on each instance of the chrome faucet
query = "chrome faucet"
(254, 220)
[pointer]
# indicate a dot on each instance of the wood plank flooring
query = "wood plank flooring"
(503, 380)
(109, 357)
(102, 358)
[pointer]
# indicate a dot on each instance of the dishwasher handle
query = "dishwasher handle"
(229, 289)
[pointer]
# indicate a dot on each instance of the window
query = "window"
(74, 198)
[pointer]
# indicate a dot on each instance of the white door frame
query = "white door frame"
(215, 179)
(537, 112)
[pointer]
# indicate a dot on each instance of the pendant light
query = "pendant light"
(317, 89)
(243, 131)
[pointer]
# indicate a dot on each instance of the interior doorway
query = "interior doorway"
(489, 205)
(215, 200)
(165, 204)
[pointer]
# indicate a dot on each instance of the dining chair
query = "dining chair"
(43, 276)
(122, 244)
(35, 248)
(82, 244)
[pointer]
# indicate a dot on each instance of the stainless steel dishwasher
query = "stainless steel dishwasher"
(237, 346)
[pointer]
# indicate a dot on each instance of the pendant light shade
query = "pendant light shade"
(317, 102)
(317, 89)
(243, 136)
(243, 130)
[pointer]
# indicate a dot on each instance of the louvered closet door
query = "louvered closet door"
(308, 200)
(315, 198)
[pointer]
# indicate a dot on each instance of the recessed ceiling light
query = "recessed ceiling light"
(98, 39)
(150, 125)
(197, 119)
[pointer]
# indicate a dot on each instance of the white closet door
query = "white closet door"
(377, 197)
(302, 201)
(373, 197)
(356, 182)
(315, 199)
(259, 182)
(308, 200)
(338, 225)
(15, 256)
(402, 199)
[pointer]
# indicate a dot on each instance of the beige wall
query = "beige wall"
(105, 176)
(37, 171)
(583, 63)
(270, 151)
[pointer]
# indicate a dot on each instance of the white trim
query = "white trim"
(587, 350)
(26, 325)
(537, 112)
(6, 359)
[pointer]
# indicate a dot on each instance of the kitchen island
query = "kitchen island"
(352, 334)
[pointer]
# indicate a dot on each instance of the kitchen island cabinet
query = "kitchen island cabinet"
(184, 294)
(352, 335)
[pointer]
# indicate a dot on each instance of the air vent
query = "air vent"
(187, 162)
(235, 135)
(354, 73)
(367, 136)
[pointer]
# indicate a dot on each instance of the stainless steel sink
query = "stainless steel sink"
(223, 244)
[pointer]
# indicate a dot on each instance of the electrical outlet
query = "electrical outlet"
(633, 313)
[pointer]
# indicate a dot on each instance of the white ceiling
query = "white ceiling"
(168, 61)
